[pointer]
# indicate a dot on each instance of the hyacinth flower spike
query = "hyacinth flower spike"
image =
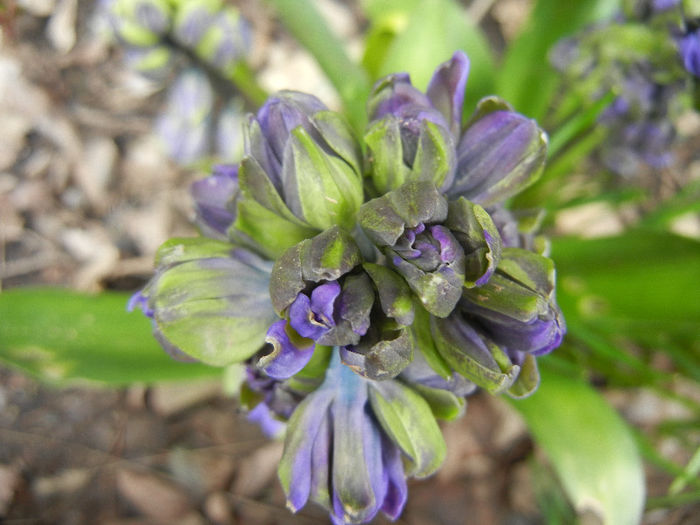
(351, 443)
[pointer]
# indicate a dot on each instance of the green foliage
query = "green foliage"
(633, 288)
(61, 336)
(590, 447)
(414, 36)
(526, 79)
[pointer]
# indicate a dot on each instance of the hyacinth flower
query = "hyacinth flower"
(642, 60)
(362, 319)
(437, 248)
(326, 295)
(351, 443)
(497, 330)
(415, 136)
(301, 174)
(158, 37)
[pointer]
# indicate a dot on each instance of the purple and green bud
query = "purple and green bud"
(215, 200)
(153, 62)
(139, 23)
(499, 154)
(301, 174)
(412, 136)
(517, 307)
(209, 299)
(192, 18)
(225, 41)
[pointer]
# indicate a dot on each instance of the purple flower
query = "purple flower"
(498, 155)
(494, 156)
(689, 47)
(214, 200)
(517, 307)
(343, 452)
(208, 300)
(271, 129)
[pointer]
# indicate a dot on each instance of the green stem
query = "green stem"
(307, 25)
(244, 79)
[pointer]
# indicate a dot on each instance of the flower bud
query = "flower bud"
(192, 19)
(153, 62)
(517, 307)
(302, 172)
(226, 40)
(405, 225)
(209, 299)
(499, 154)
(215, 200)
(408, 139)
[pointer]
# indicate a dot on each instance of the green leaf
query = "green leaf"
(590, 447)
(643, 277)
(62, 336)
(526, 63)
(434, 31)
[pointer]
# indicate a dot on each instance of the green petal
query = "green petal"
(394, 294)
(322, 188)
(408, 420)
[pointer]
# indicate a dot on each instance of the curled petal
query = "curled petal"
(263, 417)
(289, 354)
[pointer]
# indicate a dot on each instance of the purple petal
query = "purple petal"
(138, 300)
(446, 89)
(323, 300)
(397, 491)
(498, 156)
(303, 319)
(321, 464)
(264, 418)
(448, 244)
(212, 198)
(286, 359)
(296, 462)
(284, 112)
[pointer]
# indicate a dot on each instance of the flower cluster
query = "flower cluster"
(209, 38)
(647, 61)
(367, 286)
